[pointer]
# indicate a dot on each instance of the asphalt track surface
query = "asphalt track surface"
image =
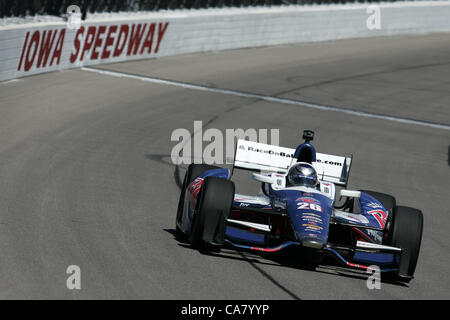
(86, 178)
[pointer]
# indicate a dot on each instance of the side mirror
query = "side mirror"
(350, 193)
(263, 178)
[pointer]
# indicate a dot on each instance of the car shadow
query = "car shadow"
(287, 258)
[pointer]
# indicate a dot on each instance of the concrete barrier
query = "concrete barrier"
(35, 48)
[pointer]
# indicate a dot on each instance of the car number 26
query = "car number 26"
(312, 206)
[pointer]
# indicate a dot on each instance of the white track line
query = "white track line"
(270, 98)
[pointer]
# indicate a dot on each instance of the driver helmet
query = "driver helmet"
(303, 174)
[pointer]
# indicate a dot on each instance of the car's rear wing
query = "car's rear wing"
(264, 157)
(335, 169)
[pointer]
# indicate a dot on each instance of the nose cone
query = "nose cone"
(310, 218)
(312, 243)
(307, 240)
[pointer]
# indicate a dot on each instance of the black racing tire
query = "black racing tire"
(407, 235)
(214, 205)
(193, 171)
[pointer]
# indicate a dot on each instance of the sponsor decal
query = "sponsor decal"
(380, 216)
(312, 219)
(308, 194)
(309, 226)
(195, 186)
(374, 205)
(310, 229)
(271, 152)
(194, 189)
(310, 214)
(377, 236)
(334, 163)
(311, 200)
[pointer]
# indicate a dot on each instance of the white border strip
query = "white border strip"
(258, 226)
(300, 103)
(368, 245)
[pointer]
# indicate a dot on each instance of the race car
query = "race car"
(298, 207)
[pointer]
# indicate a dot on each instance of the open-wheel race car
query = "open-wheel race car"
(298, 207)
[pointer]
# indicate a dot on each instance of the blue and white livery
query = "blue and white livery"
(357, 228)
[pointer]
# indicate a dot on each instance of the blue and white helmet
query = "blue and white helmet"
(303, 174)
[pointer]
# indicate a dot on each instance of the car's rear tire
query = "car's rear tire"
(407, 235)
(214, 205)
(193, 171)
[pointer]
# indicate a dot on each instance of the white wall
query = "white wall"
(189, 31)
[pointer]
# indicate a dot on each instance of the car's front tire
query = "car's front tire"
(193, 171)
(214, 205)
(407, 235)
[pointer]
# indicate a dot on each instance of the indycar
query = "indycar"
(359, 229)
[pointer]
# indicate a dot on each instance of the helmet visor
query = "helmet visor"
(301, 180)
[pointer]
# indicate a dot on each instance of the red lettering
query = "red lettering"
(124, 29)
(98, 42)
(108, 42)
(161, 32)
(46, 47)
(149, 39)
(34, 40)
(135, 39)
(90, 35)
(59, 47)
(380, 216)
(76, 44)
(23, 51)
